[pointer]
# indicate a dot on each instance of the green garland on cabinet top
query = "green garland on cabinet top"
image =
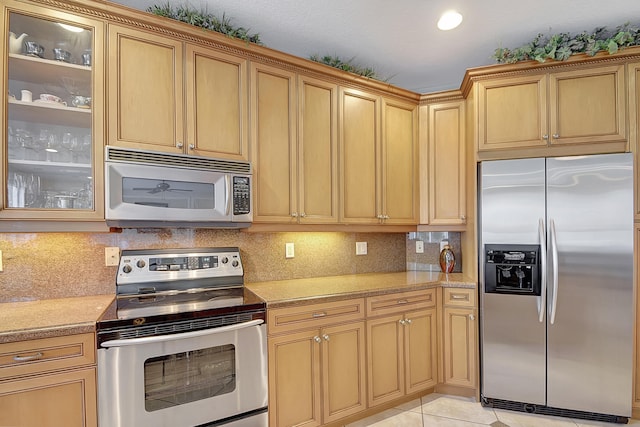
(561, 46)
(206, 20)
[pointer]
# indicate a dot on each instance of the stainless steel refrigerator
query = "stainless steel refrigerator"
(567, 351)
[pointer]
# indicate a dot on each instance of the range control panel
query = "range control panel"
(141, 266)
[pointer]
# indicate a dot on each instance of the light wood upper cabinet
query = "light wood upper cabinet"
(49, 382)
(583, 106)
(634, 128)
(145, 103)
(217, 104)
(317, 151)
(317, 367)
(147, 74)
(445, 160)
(378, 159)
(359, 157)
(400, 189)
(273, 149)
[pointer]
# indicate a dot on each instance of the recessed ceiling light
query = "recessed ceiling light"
(449, 20)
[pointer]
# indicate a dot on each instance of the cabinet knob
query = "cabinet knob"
(401, 321)
(408, 321)
(326, 337)
(302, 215)
(192, 147)
(556, 136)
(463, 217)
(179, 144)
(385, 217)
(545, 137)
(317, 339)
(472, 317)
(294, 215)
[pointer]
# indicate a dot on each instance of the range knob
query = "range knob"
(225, 260)
(141, 263)
(127, 268)
(235, 263)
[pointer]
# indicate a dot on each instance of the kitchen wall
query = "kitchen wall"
(429, 260)
(59, 265)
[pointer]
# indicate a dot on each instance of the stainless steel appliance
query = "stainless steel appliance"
(184, 343)
(566, 350)
(152, 189)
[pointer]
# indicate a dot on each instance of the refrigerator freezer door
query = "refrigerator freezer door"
(513, 338)
(590, 202)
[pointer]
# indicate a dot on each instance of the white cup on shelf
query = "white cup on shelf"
(26, 96)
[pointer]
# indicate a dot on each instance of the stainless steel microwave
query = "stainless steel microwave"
(154, 189)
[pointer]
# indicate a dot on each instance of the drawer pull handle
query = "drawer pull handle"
(458, 296)
(36, 356)
(319, 314)
(403, 301)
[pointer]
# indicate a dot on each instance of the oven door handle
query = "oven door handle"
(172, 337)
(227, 202)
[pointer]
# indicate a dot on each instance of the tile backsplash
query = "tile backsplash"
(429, 259)
(59, 265)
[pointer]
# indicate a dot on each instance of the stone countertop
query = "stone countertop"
(21, 321)
(281, 293)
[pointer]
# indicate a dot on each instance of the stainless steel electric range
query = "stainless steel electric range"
(183, 344)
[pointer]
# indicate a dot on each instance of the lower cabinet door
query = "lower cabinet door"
(459, 347)
(420, 343)
(65, 399)
(343, 371)
(385, 367)
(294, 380)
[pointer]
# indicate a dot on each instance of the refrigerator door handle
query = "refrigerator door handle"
(554, 266)
(542, 299)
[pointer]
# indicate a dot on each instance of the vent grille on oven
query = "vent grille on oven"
(177, 160)
(175, 327)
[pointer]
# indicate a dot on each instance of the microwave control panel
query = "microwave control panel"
(241, 195)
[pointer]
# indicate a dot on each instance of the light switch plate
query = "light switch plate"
(419, 247)
(361, 248)
(289, 250)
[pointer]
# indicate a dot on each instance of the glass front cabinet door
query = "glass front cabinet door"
(52, 157)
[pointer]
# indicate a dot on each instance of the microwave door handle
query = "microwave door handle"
(173, 337)
(227, 202)
(554, 266)
(542, 299)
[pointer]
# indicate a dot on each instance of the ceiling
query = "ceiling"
(399, 39)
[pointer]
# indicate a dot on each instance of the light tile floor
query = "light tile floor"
(438, 410)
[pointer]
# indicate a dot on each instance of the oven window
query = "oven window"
(186, 377)
(164, 193)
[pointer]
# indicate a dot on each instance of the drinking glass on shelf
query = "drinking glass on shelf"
(32, 191)
(70, 145)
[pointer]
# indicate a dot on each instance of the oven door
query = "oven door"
(184, 380)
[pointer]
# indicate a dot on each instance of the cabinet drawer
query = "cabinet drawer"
(400, 302)
(459, 297)
(314, 315)
(46, 354)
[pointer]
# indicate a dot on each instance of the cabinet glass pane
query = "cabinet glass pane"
(49, 135)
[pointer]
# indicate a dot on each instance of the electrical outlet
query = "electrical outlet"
(419, 247)
(111, 256)
(443, 244)
(289, 250)
(361, 248)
